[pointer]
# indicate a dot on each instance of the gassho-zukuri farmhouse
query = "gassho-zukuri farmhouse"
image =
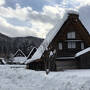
(67, 46)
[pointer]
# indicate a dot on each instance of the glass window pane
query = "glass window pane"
(71, 45)
(82, 45)
(71, 35)
(60, 46)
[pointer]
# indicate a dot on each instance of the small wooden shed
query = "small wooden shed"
(83, 58)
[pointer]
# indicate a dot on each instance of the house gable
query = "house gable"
(72, 25)
(19, 53)
(81, 41)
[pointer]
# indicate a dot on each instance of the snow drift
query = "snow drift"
(22, 79)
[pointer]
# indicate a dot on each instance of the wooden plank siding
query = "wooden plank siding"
(84, 61)
(66, 64)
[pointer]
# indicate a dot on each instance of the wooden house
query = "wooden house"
(58, 50)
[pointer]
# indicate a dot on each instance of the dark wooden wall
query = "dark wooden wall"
(84, 61)
(66, 64)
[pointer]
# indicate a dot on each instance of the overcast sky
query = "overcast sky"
(38, 17)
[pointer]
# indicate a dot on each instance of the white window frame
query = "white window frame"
(82, 45)
(71, 45)
(60, 46)
(71, 35)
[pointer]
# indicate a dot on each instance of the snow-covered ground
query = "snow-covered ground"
(12, 78)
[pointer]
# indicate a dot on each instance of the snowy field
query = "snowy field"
(15, 78)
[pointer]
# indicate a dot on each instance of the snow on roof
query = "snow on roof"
(72, 12)
(20, 51)
(82, 52)
(19, 59)
(50, 36)
(31, 51)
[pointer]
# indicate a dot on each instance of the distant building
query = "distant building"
(19, 57)
(58, 51)
(19, 53)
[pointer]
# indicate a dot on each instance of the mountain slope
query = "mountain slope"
(10, 45)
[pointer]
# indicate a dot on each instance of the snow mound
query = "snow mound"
(22, 79)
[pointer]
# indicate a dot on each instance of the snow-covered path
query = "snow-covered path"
(22, 79)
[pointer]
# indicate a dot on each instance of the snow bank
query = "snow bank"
(82, 52)
(22, 79)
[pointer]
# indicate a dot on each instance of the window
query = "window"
(72, 44)
(71, 35)
(60, 46)
(82, 45)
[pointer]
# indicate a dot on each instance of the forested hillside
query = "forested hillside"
(10, 45)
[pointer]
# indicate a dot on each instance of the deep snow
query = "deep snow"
(12, 78)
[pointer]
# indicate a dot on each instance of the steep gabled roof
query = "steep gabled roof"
(20, 52)
(31, 52)
(50, 36)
